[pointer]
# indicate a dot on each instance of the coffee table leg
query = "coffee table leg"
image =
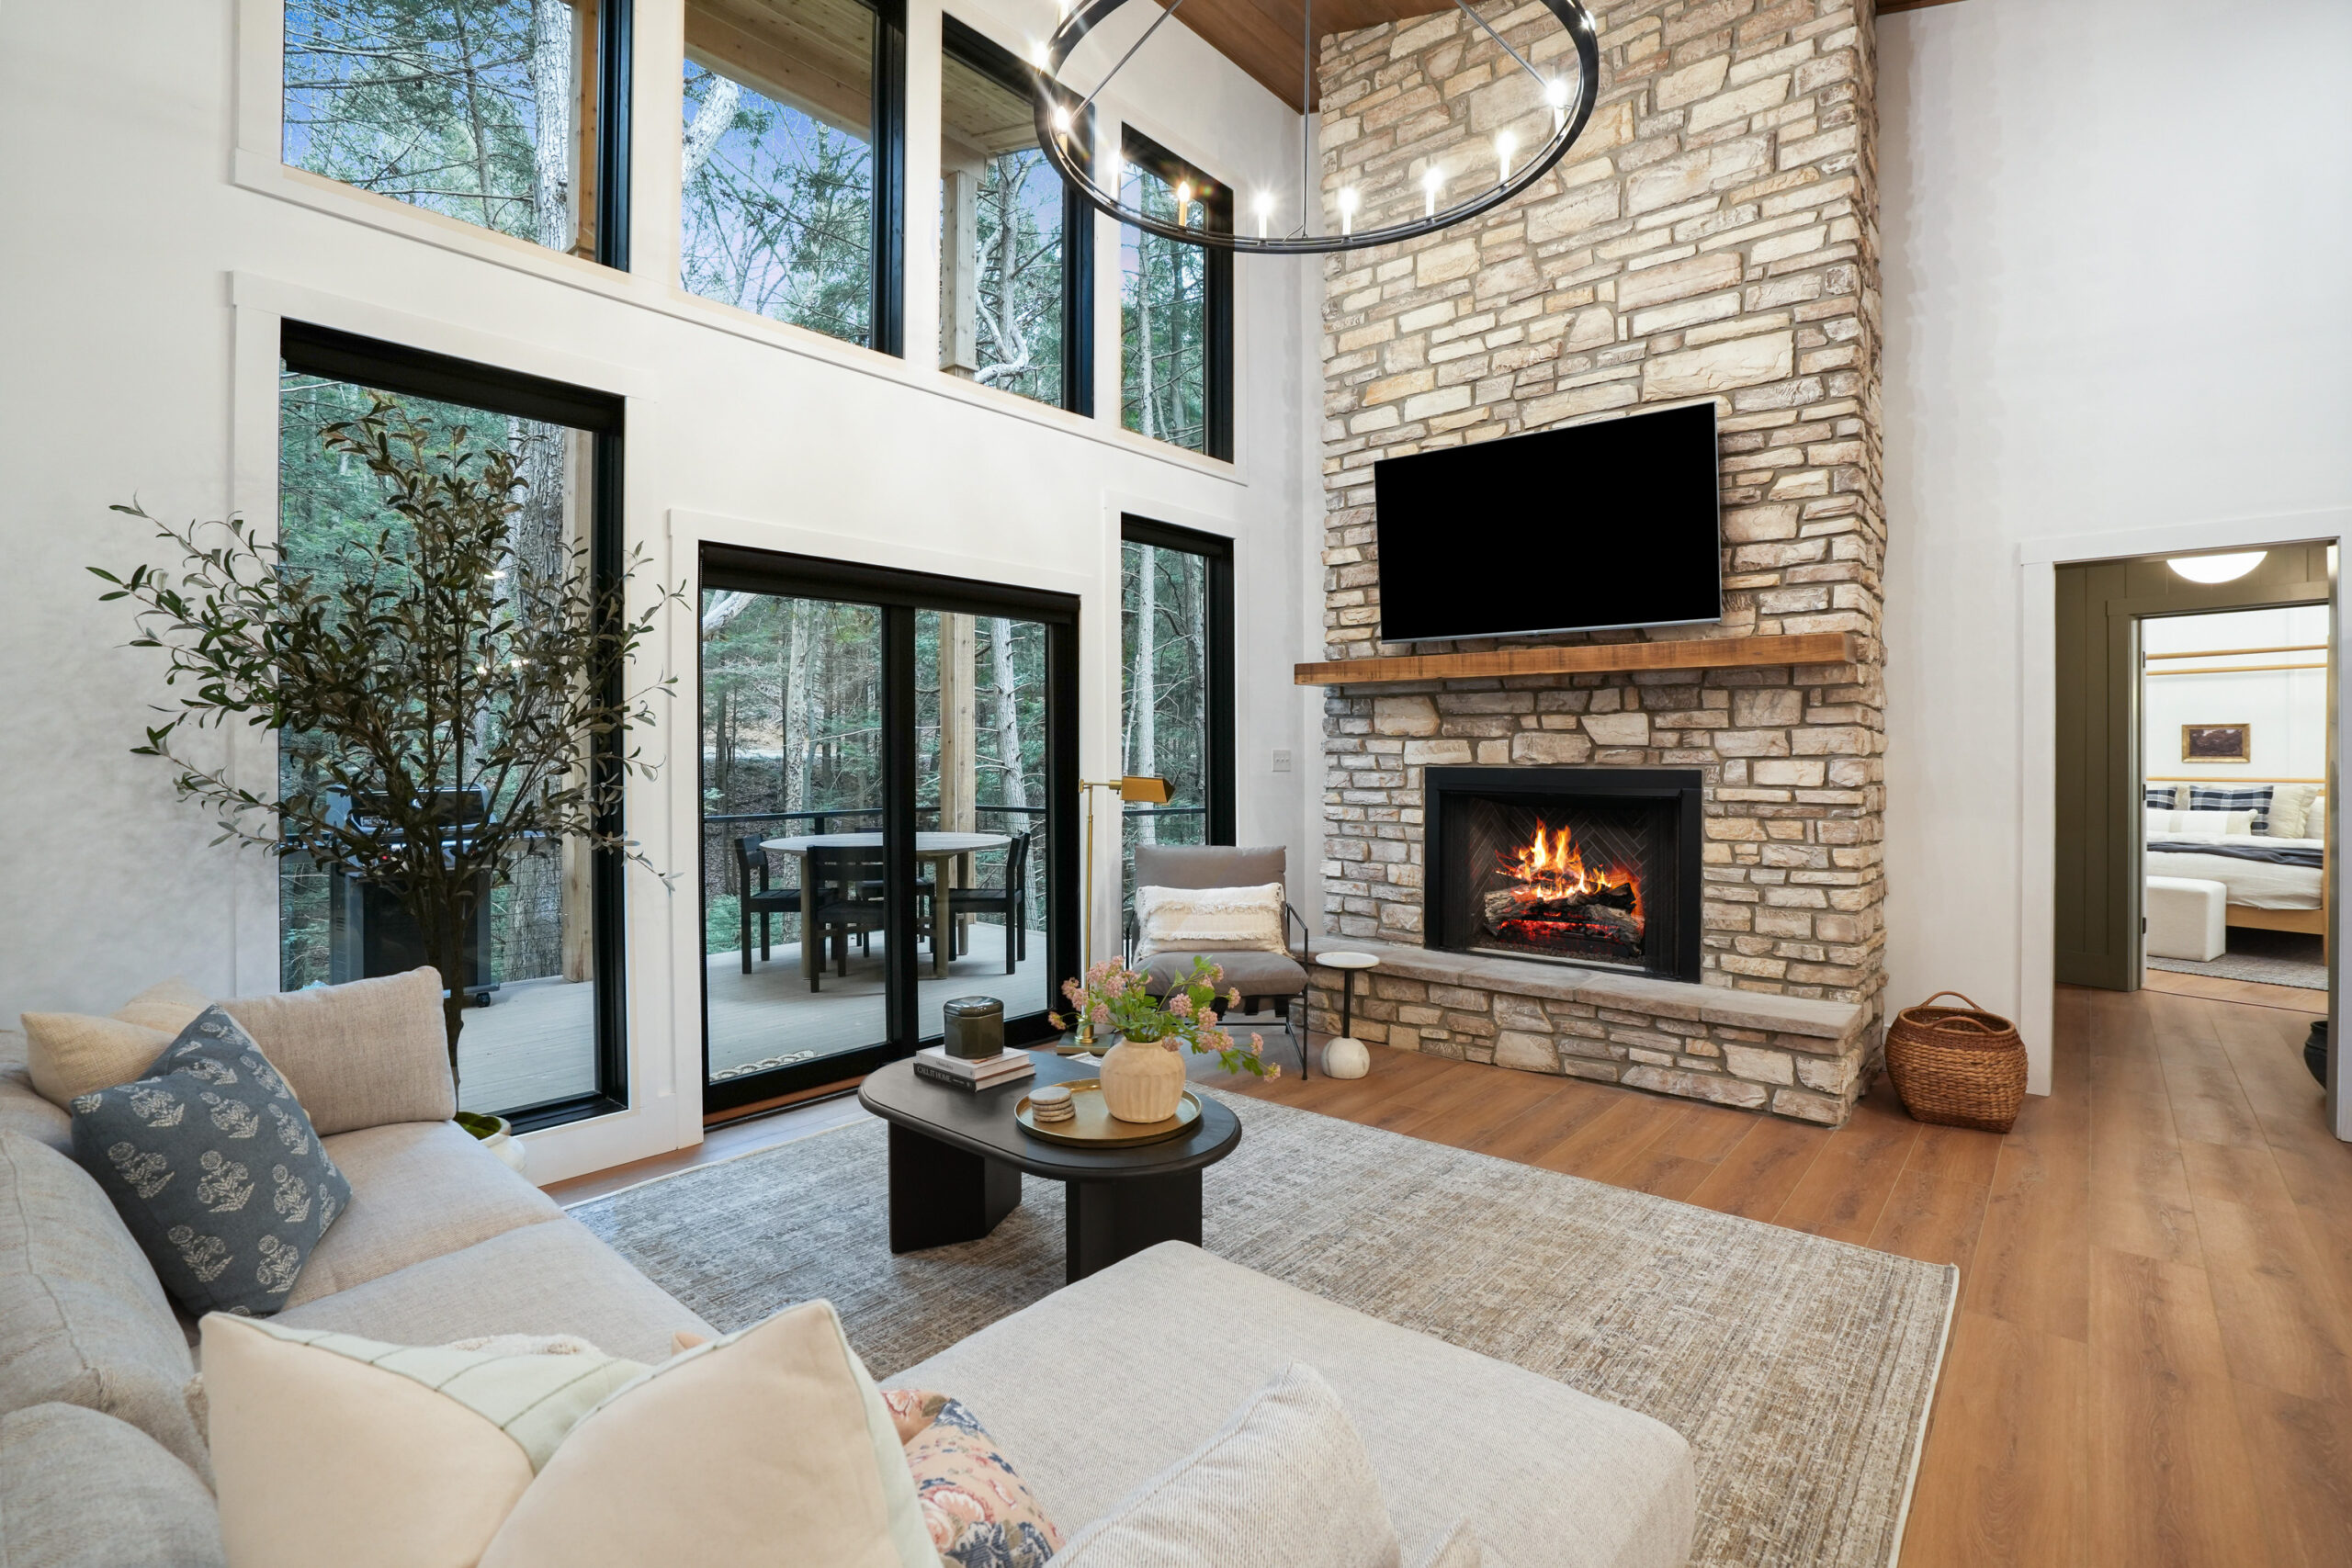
(941, 1194)
(1111, 1220)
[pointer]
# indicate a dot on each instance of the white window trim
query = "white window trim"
(256, 166)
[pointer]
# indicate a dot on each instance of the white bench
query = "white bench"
(2187, 919)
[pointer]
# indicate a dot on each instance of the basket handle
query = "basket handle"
(1957, 1020)
(1940, 994)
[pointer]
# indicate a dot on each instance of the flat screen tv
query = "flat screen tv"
(1606, 525)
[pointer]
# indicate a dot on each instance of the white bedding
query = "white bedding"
(2258, 884)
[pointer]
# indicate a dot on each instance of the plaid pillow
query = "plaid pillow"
(2205, 797)
(2163, 798)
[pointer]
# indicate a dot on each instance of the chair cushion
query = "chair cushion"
(1563, 1479)
(540, 1280)
(1251, 973)
(1208, 865)
(361, 1055)
(82, 1319)
(215, 1168)
(83, 1490)
(1285, 1483)
(419, 1190)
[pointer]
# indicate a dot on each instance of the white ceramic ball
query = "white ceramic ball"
(1345, 1058)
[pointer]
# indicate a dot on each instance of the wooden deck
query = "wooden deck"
(2152, 1362)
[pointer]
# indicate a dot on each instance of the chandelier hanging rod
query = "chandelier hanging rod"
(1060, 127)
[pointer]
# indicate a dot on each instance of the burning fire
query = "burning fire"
(1552, 868)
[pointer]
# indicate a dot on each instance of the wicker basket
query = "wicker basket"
(1957, 1066)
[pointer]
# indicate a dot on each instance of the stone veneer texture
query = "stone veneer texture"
(1712, 235)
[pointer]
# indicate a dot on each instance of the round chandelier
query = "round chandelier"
(1493, 171)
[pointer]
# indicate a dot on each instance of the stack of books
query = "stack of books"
(934, 1063)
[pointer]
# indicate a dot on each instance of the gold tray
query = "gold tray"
(1094, 1126)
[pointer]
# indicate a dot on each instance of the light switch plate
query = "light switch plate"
(1282, 759)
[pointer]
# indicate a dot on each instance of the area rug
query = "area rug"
(2268, 958)
(1800, 1370)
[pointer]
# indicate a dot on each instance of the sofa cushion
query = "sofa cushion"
(72, 1054)
(418, 1189)
(83, 1490)
(24, 1108)
(1458, 1550)
(770, 1446)
(1566, 1479)
(542, 1278)
(979, 1512)
(362, 1053)
(83, 1320)
(213, 1166)
(1285, 1483)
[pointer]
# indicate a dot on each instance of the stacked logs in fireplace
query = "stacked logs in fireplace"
(1542, 917)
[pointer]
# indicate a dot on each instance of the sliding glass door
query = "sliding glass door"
(886, 782)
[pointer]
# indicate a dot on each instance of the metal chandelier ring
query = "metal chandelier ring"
(1060, 130)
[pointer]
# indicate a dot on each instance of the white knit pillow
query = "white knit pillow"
(1209, 920)
(1285, 1481)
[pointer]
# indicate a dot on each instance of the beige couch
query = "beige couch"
(102, 1456)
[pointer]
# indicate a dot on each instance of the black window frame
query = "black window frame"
(395, 367)
(1218, 744)
(616, 39)
(967, 45)
(1216, 349)
(902, 596)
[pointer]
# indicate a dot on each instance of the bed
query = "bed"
(2277, 884)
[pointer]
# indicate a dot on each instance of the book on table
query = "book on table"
(934, 1064)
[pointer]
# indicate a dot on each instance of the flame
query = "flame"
(1552, 866)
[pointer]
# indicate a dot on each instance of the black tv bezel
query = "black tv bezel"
(1714, 422)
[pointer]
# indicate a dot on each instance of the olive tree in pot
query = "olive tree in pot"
(430, 662)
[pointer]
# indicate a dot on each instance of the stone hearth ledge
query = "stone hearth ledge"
(1791, 1057)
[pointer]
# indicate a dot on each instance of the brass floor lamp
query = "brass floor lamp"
(1135, 789)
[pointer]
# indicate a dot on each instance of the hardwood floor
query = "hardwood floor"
(2152, 1360)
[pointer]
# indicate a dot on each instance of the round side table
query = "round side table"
(1345, 1056)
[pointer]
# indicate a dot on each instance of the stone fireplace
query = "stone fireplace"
(1591, 868)
(1711, 235)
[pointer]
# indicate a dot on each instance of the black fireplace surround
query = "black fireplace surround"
(1596, 867)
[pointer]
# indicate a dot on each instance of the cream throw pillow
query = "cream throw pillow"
(2289, 805)
(67, 1054)
(1286, 1483)
(1209, 920)
(771, 1446)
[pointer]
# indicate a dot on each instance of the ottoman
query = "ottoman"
(2187, 919)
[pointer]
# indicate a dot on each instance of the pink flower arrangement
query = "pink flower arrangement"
(1117, 999)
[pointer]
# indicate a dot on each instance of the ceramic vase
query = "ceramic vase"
(1142, 1080)
(1345, 1058)
(510, 1150)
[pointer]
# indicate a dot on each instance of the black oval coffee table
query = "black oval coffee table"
(957, 1158)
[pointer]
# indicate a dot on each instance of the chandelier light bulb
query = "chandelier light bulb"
(1037, 55)
(1556, 95)
(1348, 210)
(1431, 177)
(1061, 120)
(1265, 210)
(1505, 145)
(1184, 201)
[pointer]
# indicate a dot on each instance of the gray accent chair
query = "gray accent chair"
(1276, 979)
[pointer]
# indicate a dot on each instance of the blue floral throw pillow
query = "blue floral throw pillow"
(214, 1168)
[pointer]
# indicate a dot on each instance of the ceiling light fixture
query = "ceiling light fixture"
(2217, 568)
(1061, 122)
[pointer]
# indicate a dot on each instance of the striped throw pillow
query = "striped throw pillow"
(2163, 797)
(2207, 797)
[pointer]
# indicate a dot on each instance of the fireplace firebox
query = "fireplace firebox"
(1597, 868)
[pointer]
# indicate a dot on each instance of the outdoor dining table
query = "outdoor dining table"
(947, 855)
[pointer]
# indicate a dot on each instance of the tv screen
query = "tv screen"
(1605, 525)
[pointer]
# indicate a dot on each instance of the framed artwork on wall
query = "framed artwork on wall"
(2216, 743)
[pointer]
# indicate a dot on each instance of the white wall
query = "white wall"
(149, 244)
(2286, 708)
(2116, 321)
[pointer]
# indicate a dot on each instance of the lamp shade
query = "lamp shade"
(1143, 789)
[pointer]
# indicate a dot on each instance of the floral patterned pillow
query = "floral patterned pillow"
(980, 1513)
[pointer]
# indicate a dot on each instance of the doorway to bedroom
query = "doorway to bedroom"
(2195, 704)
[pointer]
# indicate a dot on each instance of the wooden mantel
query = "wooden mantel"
(1584, 659)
